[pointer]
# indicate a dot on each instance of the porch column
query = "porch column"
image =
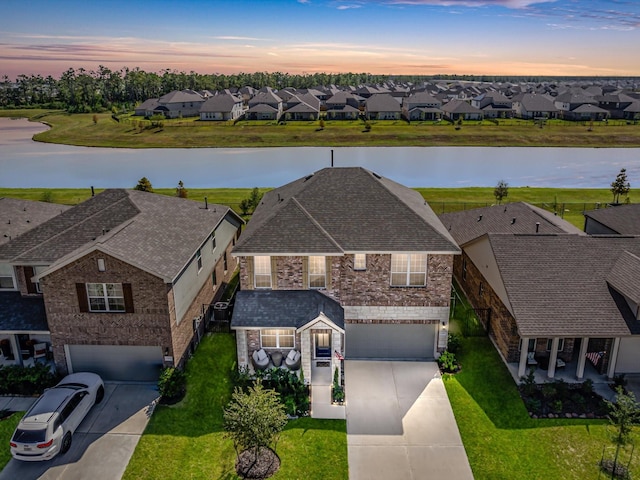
(15, 348)
(582, 357)
(522, 366)
(553, 356)
(613, 358)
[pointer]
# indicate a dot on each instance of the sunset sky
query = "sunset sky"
(492, 37)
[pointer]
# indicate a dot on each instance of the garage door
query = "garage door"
(117, 362)
(389, 341)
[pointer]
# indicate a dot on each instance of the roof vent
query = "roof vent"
(206, 204)
(513, 220)
(505, 209)
(480, 218)
(307, 177)
(376, 175)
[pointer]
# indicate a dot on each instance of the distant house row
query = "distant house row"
(382, 104)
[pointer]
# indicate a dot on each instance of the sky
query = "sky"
(412, 37)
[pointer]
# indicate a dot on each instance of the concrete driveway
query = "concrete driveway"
(400, 424)
(103, 444)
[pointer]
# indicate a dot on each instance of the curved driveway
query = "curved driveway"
(400, 424)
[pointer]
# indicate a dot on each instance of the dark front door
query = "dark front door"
(323, 344)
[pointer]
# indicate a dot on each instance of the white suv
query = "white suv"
(46, 429)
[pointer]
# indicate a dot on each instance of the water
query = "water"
(25, 163)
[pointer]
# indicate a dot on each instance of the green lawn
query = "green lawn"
(7, 427)
(502, 442)
(186, 441)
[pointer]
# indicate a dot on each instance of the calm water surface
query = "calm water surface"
(25, 163)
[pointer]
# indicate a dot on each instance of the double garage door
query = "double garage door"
(389, 341)
(116, 362)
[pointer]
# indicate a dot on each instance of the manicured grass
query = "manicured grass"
(79, 129)
(186, 440)
(500, 438)
(7, 427)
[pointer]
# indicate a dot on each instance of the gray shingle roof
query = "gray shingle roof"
(17, 216)
(459, 106)
(22, 314)
(266, 308)
(340, 210)
(465, 227)
(625, 276)
(220, 103)
(382, 102)
(181, 96)
(537, 103)
(557, 284)
(623, 219)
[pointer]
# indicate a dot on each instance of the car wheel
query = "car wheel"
(66, 443)
(99, 395)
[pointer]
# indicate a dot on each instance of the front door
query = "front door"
(323, 344)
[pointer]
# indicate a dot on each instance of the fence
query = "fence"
(557, 208)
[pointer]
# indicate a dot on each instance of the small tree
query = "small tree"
(144, 185)
(95, 119)
(501, 191)
(620, 186)
(245, 206)
(254, 198)
(181, 191)
(624, 413)
(254, 420)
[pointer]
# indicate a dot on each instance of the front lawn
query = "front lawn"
(186, 440)
(7, 427)
(503, 442)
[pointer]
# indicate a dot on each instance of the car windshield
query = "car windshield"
(29, 436)
(73, 386)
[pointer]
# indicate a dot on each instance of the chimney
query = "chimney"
(537, 226)
(513, 220)
(93, 192)
(206, 204)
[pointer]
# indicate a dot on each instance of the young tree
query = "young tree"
(501, 191)
(620, 186)
(181, 191)
(245, 206)
(254, 198)
(624, 413)
(144, 185)
(254, 420)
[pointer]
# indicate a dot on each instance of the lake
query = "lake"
(25, 163)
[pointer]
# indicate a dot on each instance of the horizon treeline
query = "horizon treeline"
(82, 91)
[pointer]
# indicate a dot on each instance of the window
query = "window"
(317, 272)
(409, 269)
(213, 241)
(101, 265)
(6, 278)
(464, 269)
(105, 297)
(275, 338)
(481, 289)
(199, 260)
(262, 271)
(224, 262)
(359, 261)
(531, 345)
(560, 344)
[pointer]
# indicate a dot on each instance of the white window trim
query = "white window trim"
(560, 344)
(313, 275)
(277, 335)
(199, 260)
(408, 271)
(106, 297)
(264, 274)
(364, 261)
(13, 279)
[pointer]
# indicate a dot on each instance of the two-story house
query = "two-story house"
(122, 279)
(343, 262)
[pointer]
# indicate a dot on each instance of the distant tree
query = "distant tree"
(144, 185)
(181, 191)
(254, 198)
(47, 196)
(501, 191)
(95, 119)
(620, 186)
(321, 123)
(245, 206)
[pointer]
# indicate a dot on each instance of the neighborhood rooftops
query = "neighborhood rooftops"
(623, 219)
(18, 216)
(339, 210)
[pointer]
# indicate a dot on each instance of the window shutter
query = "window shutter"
(83, 301)
(305, 273)
(28, 273)
(328, 271)
(274, 273)
(249, 261)
(128, 297)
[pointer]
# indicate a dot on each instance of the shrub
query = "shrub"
(528, 386)
(556, 406)
(17, 380)
(549, 391)
(454, 344)
(172, 382)
(337, 394)
(447, 362)
(587, 387)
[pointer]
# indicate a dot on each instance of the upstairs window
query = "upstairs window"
(105, 297)
(213, 242)
(317, 272)
(409, 270)
(6, 278)
(262, 271)
(359, 261)
(199, 260)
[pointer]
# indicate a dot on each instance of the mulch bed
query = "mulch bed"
(266, 465)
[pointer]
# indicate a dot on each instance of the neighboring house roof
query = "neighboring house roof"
(633, 108)
(459, 106)
(625, 276)
(340, 98)
(339, 210)
(589, 108)
(149, 104)
(537, 103)
(520, 217)
(283, 308)
(342, 108)
(18, 216)
(268, 97)
(622, 219)
(220, 103)
(557, 284)
(302, 108)
(382, 102)
(422, 98)
(180, 96)
(157, 233)
(22, 314)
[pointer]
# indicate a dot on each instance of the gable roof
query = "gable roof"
(180, 96)
(22, 314)
(625, 276)
(339, 210)
(18, 216)
(382, 102)
(536, 103)
(223, 102)
(459, 106)
(622, 219)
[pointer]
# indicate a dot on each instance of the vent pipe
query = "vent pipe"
(331, 158)
(93, 192)
(206, 204)
(513, 220)
(480, 218)
(537, 226)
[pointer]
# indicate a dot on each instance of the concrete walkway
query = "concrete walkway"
(400, 424)
(321, 406)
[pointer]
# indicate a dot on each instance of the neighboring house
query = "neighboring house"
(459, 109)
(382, 106)
(146, 108)
(550, 291)
(618, 220)
(120, 281)
(493, 105)
(421, 106)
(302, 111)
(180, 103)
(265, 105)
(632, 112)
(18, 216)
(573, 106)
(534, 106)
(225, 106)
(615, 104)
(343, 106)
(343, 261)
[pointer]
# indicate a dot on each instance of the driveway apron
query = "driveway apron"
(103, 443)
(400, 424)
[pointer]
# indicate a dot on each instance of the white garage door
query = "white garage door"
(117, 362)
(390, 341)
